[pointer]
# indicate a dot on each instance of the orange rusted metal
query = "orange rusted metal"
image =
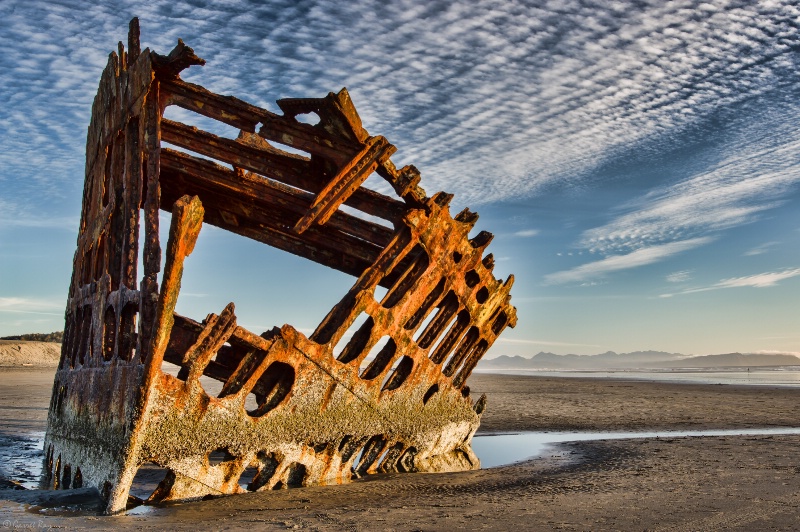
(291, 409)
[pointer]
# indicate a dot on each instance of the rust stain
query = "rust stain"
(381, 383)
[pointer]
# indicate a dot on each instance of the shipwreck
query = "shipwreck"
(380, 385)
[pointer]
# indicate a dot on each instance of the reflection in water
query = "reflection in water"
(21, 459)
(502, 449)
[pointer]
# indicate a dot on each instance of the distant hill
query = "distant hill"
(56, 337)
(636, 359)
(35, 349)
(23, 353)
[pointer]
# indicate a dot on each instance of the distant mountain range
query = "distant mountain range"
(637, 359)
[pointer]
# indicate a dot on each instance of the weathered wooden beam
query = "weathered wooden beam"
(134, 47)
(226, 109)
(216, 331)
(288, 168)
(267, 223)
(242, 115)
(295, 171)
(405, 182)
(307, 138)
(330, 256)
(151, 247)
(253, 189)
(330, 252)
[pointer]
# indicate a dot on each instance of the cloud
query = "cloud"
(518, 341)
(635, 259)
(529, 95)
(760, 250)
(21, 305)
(760, 280)
(774, 352)
(679, 277)
(757, 169)
(734, 192)
(527, 233)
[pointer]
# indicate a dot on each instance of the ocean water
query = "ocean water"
(21, 458)
(772, 376)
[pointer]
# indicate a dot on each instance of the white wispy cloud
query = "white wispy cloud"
(760, 250)
(519, 341)
(775, 352)
(635, 259)
(679, 277)
(528, 95)
(14, 216)
(732, 193)
(527, 233)
(756, 172)
(759, 280)
(22, 305)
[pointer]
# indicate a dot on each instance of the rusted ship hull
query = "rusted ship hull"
(379, 385)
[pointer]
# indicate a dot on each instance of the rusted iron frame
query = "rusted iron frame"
(256, 160)
(344, 312)
(158, 337)
(384, 171)
(98, 343)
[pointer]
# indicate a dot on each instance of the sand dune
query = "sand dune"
(33, 354)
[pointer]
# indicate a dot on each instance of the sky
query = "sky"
(637, 161)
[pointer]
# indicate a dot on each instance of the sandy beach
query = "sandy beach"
(668, 483)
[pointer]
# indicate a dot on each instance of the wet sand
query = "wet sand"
(706, 483)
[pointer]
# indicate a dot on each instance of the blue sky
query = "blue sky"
(637, 161)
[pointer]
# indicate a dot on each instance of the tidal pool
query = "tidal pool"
(502, 449)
